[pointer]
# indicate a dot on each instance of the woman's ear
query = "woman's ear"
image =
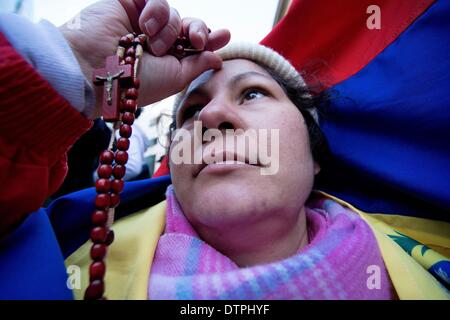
(316, 168)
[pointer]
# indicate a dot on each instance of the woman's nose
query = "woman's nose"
(220, 114)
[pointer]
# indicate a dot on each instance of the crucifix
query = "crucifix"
(112, 77)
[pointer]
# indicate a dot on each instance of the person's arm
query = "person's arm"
(46, 99)
(37, 127)
(44, 47)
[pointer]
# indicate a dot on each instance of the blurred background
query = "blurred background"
(248, 20)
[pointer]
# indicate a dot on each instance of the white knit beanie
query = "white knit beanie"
(265, 57)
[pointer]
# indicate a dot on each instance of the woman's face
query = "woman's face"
(241, 95)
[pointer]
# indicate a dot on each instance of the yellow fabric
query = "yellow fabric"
(130, 257)
(411, 281)
(434, 234)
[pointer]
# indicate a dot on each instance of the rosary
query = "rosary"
(120, 91)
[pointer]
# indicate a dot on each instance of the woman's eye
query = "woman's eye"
(253, 94)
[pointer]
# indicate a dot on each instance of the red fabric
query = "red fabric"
(37, 127)
(163, 169)
(329, 41)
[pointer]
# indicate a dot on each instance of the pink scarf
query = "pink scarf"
(338, 263)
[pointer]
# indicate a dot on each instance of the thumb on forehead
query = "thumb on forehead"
(195, 65)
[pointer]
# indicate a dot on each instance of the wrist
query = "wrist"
(86, 65)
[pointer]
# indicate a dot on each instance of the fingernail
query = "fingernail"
(203, 37)
(158, 47)
(151, 26)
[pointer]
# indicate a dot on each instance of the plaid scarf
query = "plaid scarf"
(342, 261)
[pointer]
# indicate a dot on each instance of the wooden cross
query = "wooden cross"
(112, 77)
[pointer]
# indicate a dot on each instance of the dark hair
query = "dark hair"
(306, 101)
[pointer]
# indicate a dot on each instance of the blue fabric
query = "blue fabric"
(388, 125)
(32, 257)
(31, 263)
(70, 215)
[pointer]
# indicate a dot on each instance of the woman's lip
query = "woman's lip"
(223, 166)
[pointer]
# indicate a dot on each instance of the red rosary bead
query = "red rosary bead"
(115, 200)
(106, 157)
(129, 105)
(98, 251)
(102, 200)
(95, 290)
(109, 237)
(125, 41)
(97, 270)
(121, 157)
(99, 217)
(128, 118)
(130, 52)
(142, 38)
(118, 171)
(98, 234)
(137, 83)
(125, 131)
(131, 93)
(103, 185)
(129, 60)
(104, 171)
(117, 185)
(123, 144)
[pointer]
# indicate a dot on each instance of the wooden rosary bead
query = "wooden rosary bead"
(97, 270)
(123, 144)
(125, 41)
(109, 237)
(102, 185)
(115, 200)
(95, 290)
(138, 41)
(102, 200)
(118, 171)
(106, 157)
(98, 251)
(129, 105)
(104, 171)
(98, 234)
(128, 118)
(129, 60)
(121, 157)
(131, 93)
(130, 52)
(142, 38)
(125, 131)
(136, 83)
(117, 185)
(99, 217)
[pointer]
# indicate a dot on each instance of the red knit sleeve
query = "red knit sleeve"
(37, 127)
